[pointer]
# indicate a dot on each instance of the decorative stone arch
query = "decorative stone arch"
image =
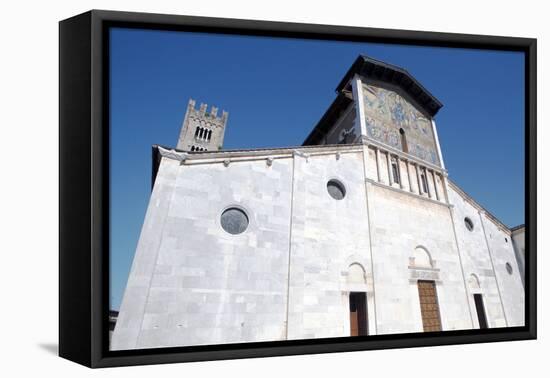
(357, 274)
(421, 258)
(473, 284)
(422, 266)
(354, 260)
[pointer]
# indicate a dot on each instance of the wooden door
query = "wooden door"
(429, 306)
(358, 314)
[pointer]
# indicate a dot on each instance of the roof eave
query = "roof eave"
(372, 68)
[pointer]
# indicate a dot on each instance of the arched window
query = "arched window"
(404, 146)
(209, 134)
(192, 148)
(197, 132)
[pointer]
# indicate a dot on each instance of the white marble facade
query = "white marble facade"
(290, 273)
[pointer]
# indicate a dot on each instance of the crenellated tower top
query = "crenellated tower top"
(202, 130)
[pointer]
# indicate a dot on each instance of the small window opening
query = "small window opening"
(395, 171)
(234, 220)
(469, 224)
(509, 268)
(336, 189)
(424, 181)
(404, 146)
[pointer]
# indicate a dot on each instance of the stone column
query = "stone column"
(357, 90)
(435, 185)
(417, 168)
(409, 176)
(398, 160)
(377, 150)
(427, 183)
(388, 160)
(445, 187)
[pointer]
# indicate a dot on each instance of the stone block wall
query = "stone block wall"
(289, 275)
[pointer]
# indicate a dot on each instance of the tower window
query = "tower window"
(404, 146)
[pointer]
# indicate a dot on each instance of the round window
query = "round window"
(509, 268)
(469, 224)
(336, 189)
(234, 220)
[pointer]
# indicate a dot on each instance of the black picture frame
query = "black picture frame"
(84, 187)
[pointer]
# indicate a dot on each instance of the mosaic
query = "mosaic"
(386, 112)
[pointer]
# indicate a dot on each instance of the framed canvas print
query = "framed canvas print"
(234, 188)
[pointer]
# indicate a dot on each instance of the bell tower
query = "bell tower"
(202, 130)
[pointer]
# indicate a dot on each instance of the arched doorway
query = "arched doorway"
(357, 302)
(475, 289)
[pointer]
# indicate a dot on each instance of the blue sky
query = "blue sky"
(276, 90)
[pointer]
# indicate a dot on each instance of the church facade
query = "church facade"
(359, 231)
